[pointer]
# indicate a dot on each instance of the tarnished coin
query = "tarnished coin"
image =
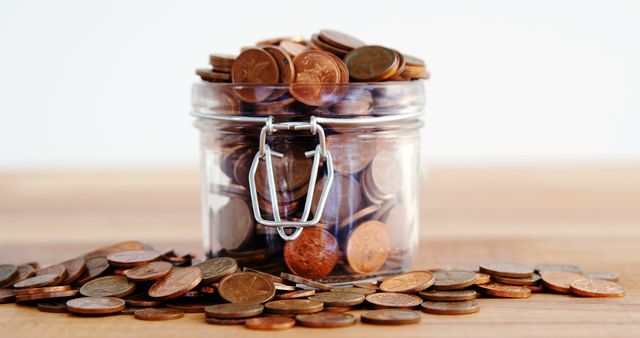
(38, 281)
(313, 254)
(326, 319)
(75, 268)
(305, 281)
(7, 273)
(149, 271)
(109, 286)
(95, 267)
(505, 291)
(408, 282)
(24, 271)
(178, 282)
(560, 281)
(270, 323)
(95, 305)
(507, 270)
(234, 310)
(254, 66)
(297, 294)
(390, 317)
(540, 268)
(122, 246)
(316, 75)
(158, 314)
(597, 288)
(132, 258)
(368, 247)
(214, 269)
(453, 279)
(482, 278)
(52, 307)
(393, 300)
(340, 40)
(450, 308)
(371, 63)
(362, 291)
(246, 287)
(293, 306)
(608, 276)
(46, 295)
(533, 280)
(448, 296)
(7, 296)
(339, 298)
(225, 321)
(31, 291)
(234, 223)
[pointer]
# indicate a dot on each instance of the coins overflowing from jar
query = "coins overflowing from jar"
(226, 292)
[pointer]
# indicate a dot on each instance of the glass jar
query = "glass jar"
(325, 188)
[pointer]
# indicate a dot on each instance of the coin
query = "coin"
(505, 291)
(540, 268)
(362, 291)
(340, 40)
(278, 40)
(189, 304)
(344, 196)
(390, 317)
(413, 61)
(234, 223)
(56, 269)
(448, 296)
(507, 270)
(393, 300)
(246, 287)
(314, 68)
(24, 271)
(75, 268)
(293, 306)
(109, 286)
(254, 66)
(213, 76)
(270, 323)
(31, 291)
(450, 308)
(338, 308)
(560, 281)
(149, 271)
(141, 300)
(371, 63)
(313, 254)
(222, 60)
(270, 277)
(339, 298)
(158, 314)
(95, 305)
(408, 282)
(597, 288)
(350, 154)
(219, 321)
(382, 175)
(7, 272)
(326, 319)
(231, 310)
(359, 216)
(178, 282)
(285, 63)
(533, 280)
(122, 246)
(216, 268)
(293, 48)
(368, 247)
(366, 285)
(53, 307)
(536, 288)
(46, 295)
(482, 278)
(7, 296)
(453, 279)
(132, 258)
(319, 44)
(284, 287)
(608, 276)
(37, 281)
(296, 294)
(305, 281)
(95, 267)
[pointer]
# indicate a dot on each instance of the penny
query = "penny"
(293, 48)
(75, 268)
(38, 281)
(413, 61)
(339, 298)
(270, 323)
(326, 319)
(505, 291)
(293, 306)
(95, 267)
(383, 176)
(340, 40)
(285, 63)
(132, 258)
(597, 288)
(231, 310)
(314, 68)
(32, 291)
(221, 59)
(141, 300)
(393, 300)
(189, 305)
(448, 296)
(507, 270)
(366, 285)
(178, 282)
(533, 280)
(234, 223)
(57, 269)
(108, 286)
(216, 268)
(350, 155)
(540, 268)
(46, 295)
(149, 271)
(482, 278)
(343, 198)
(24, 271)
(390, 317)
(246, 287)
(284, 287)
(158, 314)
(296, 294)
(219, 321)
(560, 281)
(278, 40)
(368, 247)
(359, 216)
(338, 308)
(450, 308)
(53, 307)
(608, 276)
(408, 282)
(453, 279)
(122, 246)
(7, 272)
(371, 63)
(254, 66)
(305, 281)
(536, 288)
(313, 254)
(271, 277)
(362, 291)
(95, 305)
(352, 107)
(320, 44)
(7, 296)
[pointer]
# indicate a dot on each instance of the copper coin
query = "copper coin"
(408, 282)
(533, 280)
(95, 305)
(24, 271)
(95, 267)
(540, 268)
(390, 317)
(212, 76)
(234, 223)
(448, 296)
(122, 246)
(38, 281)
(296, 294)
(189, 305)
(284, 287)
(8, 272)
(366, 285)
(46, 295)
(149, 271)
(141, 300)
(316, 75)
(158, 314)
(254, 66)
(246, 287)
(270, 323)
(338, 309)
(293, 306)
(52, 307)
(178, 282)
(371, 63)
(536, 288)
(505, 291)
(350, 155)
(393, 300)
(482, 278)
(596, 288)
(57, 269)
(383, 176)
(352, 107)
(507, 270)
(293, 48)
(326, 319)
(285, 63)
(305, 281)
(221, 59)
(313, 254)
(413, 61)
(319, 44)
(216, 268)
(7, 296)
(368, 247)
(339, 298)
(560, 281)
(231, 310)
(269, 276)
(359, 216)
(453, 279)
(219, 321)
(362, 291)
(75, 268)
(278, 40)
(109, 286)
(608, 276)
(344, 197)
(132, 258)
(32, 291)
(340, 40)
(450, 308)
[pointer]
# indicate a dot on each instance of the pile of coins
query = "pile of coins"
(131, 278)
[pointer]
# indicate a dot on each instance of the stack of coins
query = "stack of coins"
(132, 278)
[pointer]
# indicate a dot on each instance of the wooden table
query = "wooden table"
(584, 215)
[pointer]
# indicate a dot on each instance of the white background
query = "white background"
(93, 84)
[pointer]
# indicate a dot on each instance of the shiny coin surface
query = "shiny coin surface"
(296, 294)
(95, 305)
(368, 247)
(38, 281)
(390, 317)
(453, 279)
(246, 287)
(393, 300)
(326, 319)
(46, 295)
(7, 296)
(560, 281)
(158, 314)
(75, 268)
(109, 286)
(178, 282)
(231, 310)
(270, 323)
(132, 258)
(313, 254)
(596, 288)
(224, 321)
(533, 280)
(95, 267)
(293, 306)
(149, 271)
(52, 307)
(448, 296)
(216, 268)
(507, 270)
(505, 291)
(293, 48)
(608, 276)
(338, 298)
(408, 282)
(305, 281)
(371, 63)
(254, 66)
(540, 268)
(316, 71)
(31, 291)
(482, 278)
(450, 308)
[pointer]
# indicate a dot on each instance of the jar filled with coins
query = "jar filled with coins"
(310, 156)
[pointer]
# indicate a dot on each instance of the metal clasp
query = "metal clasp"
(265, 153)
